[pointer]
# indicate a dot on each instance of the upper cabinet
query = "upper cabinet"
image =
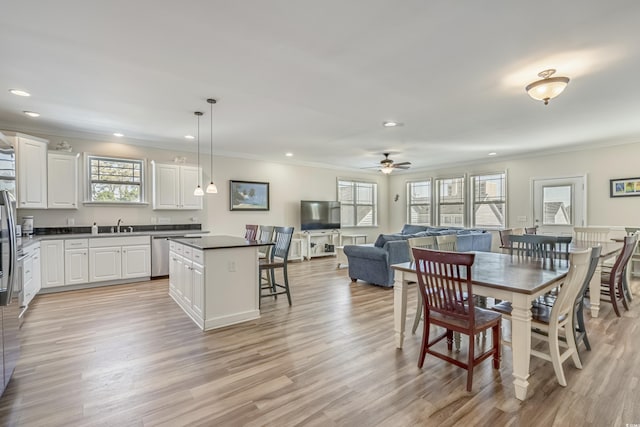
(31, 171)
(173, 186)
(62, 185)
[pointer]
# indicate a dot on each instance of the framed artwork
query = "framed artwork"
(624, 187)
(248, 196)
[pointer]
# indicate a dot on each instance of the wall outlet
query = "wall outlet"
(153, 220)
(232, 266)
(164, 220)
(71, 221)
(194, 219)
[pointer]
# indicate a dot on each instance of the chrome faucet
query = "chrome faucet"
(118, 225)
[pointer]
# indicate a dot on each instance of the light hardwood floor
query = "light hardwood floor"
(127, 355)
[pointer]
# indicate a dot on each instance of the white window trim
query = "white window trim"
(436, 198)
(471, 191)
(87, 193)
(408, 206)
(375, 204)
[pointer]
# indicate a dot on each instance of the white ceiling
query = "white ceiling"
(318, 78)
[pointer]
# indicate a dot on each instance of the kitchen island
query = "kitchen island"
(214, 279)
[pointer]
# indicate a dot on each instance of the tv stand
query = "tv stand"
(319, 243)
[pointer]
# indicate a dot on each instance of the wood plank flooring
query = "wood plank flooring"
(128, 356)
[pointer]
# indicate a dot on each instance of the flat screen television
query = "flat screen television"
(319, 215)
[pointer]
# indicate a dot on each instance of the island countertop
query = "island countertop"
(218, 242)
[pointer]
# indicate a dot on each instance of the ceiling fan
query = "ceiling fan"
(387, 165)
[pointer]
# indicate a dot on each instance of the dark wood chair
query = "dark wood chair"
(251, 231)
(277, 258)
(444, 280)
(612, 280)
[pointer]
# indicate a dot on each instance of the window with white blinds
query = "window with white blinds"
(358, 201)
(489, 200)
(419, 202)
(450, 202)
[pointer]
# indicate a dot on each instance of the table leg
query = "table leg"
(399, 307)
(521, 343)
(594, 290)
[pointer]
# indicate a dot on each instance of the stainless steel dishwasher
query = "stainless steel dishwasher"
(160, 255)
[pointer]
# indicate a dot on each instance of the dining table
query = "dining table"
(517, 279)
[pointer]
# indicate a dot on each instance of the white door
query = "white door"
(62, 185)
(52, 263)
(166, 186)
(104, 264)
(559, 204)
(190, 176)
(76, 266)
(198, 290)
(136, 261)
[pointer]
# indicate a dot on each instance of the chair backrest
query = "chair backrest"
(593, 263)
(444, 279)
(282, 239)
(617, 271)
(504, 238)
(427, 242)
(564, 305)
(591, 234)
(251, 232)
(265, 233)
(531, 230)
(448, 242)
(534, 246)
(631, 230)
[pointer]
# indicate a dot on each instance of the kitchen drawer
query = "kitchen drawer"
(197, 256)
(187, 251)
(105, 242)
(76, 244)
(176, 247)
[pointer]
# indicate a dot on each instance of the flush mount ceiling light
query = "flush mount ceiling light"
(198, 191)
(288, 154)
(118, 134)
(189, 137)
(31, 113)
(493, 153)
(547, 88)
(211, 188)
(19, 92)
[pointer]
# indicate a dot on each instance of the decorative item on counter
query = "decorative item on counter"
(27, 225)
(94, 228)
(18, 230)
(64, 146)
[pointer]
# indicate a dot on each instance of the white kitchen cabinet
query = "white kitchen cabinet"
(186, 279)
(30, 273)
(76, 266)
(198, 289)
(37, 270)
(52, 263)
(173, 271)
(62, 181)
(136, 261)
(105, 263)
(173, 185)
(31, 170)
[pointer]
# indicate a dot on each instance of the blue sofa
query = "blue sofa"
(372, 263)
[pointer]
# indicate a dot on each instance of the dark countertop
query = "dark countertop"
(218, 242)
(121, 234)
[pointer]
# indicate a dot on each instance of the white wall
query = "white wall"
(289, 183)
(598, 164)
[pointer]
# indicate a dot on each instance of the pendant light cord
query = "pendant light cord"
(198, 114)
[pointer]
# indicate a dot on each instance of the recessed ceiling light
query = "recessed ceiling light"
(492, 153)
(391, 124)
(289, 154)
(189, 137)
(118, 134)
(31, 113)
(19, 92)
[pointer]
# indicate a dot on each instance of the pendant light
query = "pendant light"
(211, 188)
(198, 191)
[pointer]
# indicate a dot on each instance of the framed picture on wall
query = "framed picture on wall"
(624, 187)
(248, 196)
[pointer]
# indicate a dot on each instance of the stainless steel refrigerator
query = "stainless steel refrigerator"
(9, 283)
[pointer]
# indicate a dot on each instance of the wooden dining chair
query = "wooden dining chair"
(534, 246)
(427, 242)
(444, 280)
(531, 230)
(591, 234)
(277, 259)
(579, 328)
(448, 242)
(612, 280)
(251, 232)
(554, 324)
(505, 243)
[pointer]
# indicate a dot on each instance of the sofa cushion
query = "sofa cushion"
(413, 229)
(384, 238)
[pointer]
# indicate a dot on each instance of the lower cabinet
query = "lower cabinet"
(31, 280)
(186, 283)
(136, 261)
(105, 264)
(76, 266)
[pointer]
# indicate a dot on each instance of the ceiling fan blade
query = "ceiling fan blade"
(402, 164)
(401, 167)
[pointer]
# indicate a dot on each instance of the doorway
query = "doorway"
(559, 204)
